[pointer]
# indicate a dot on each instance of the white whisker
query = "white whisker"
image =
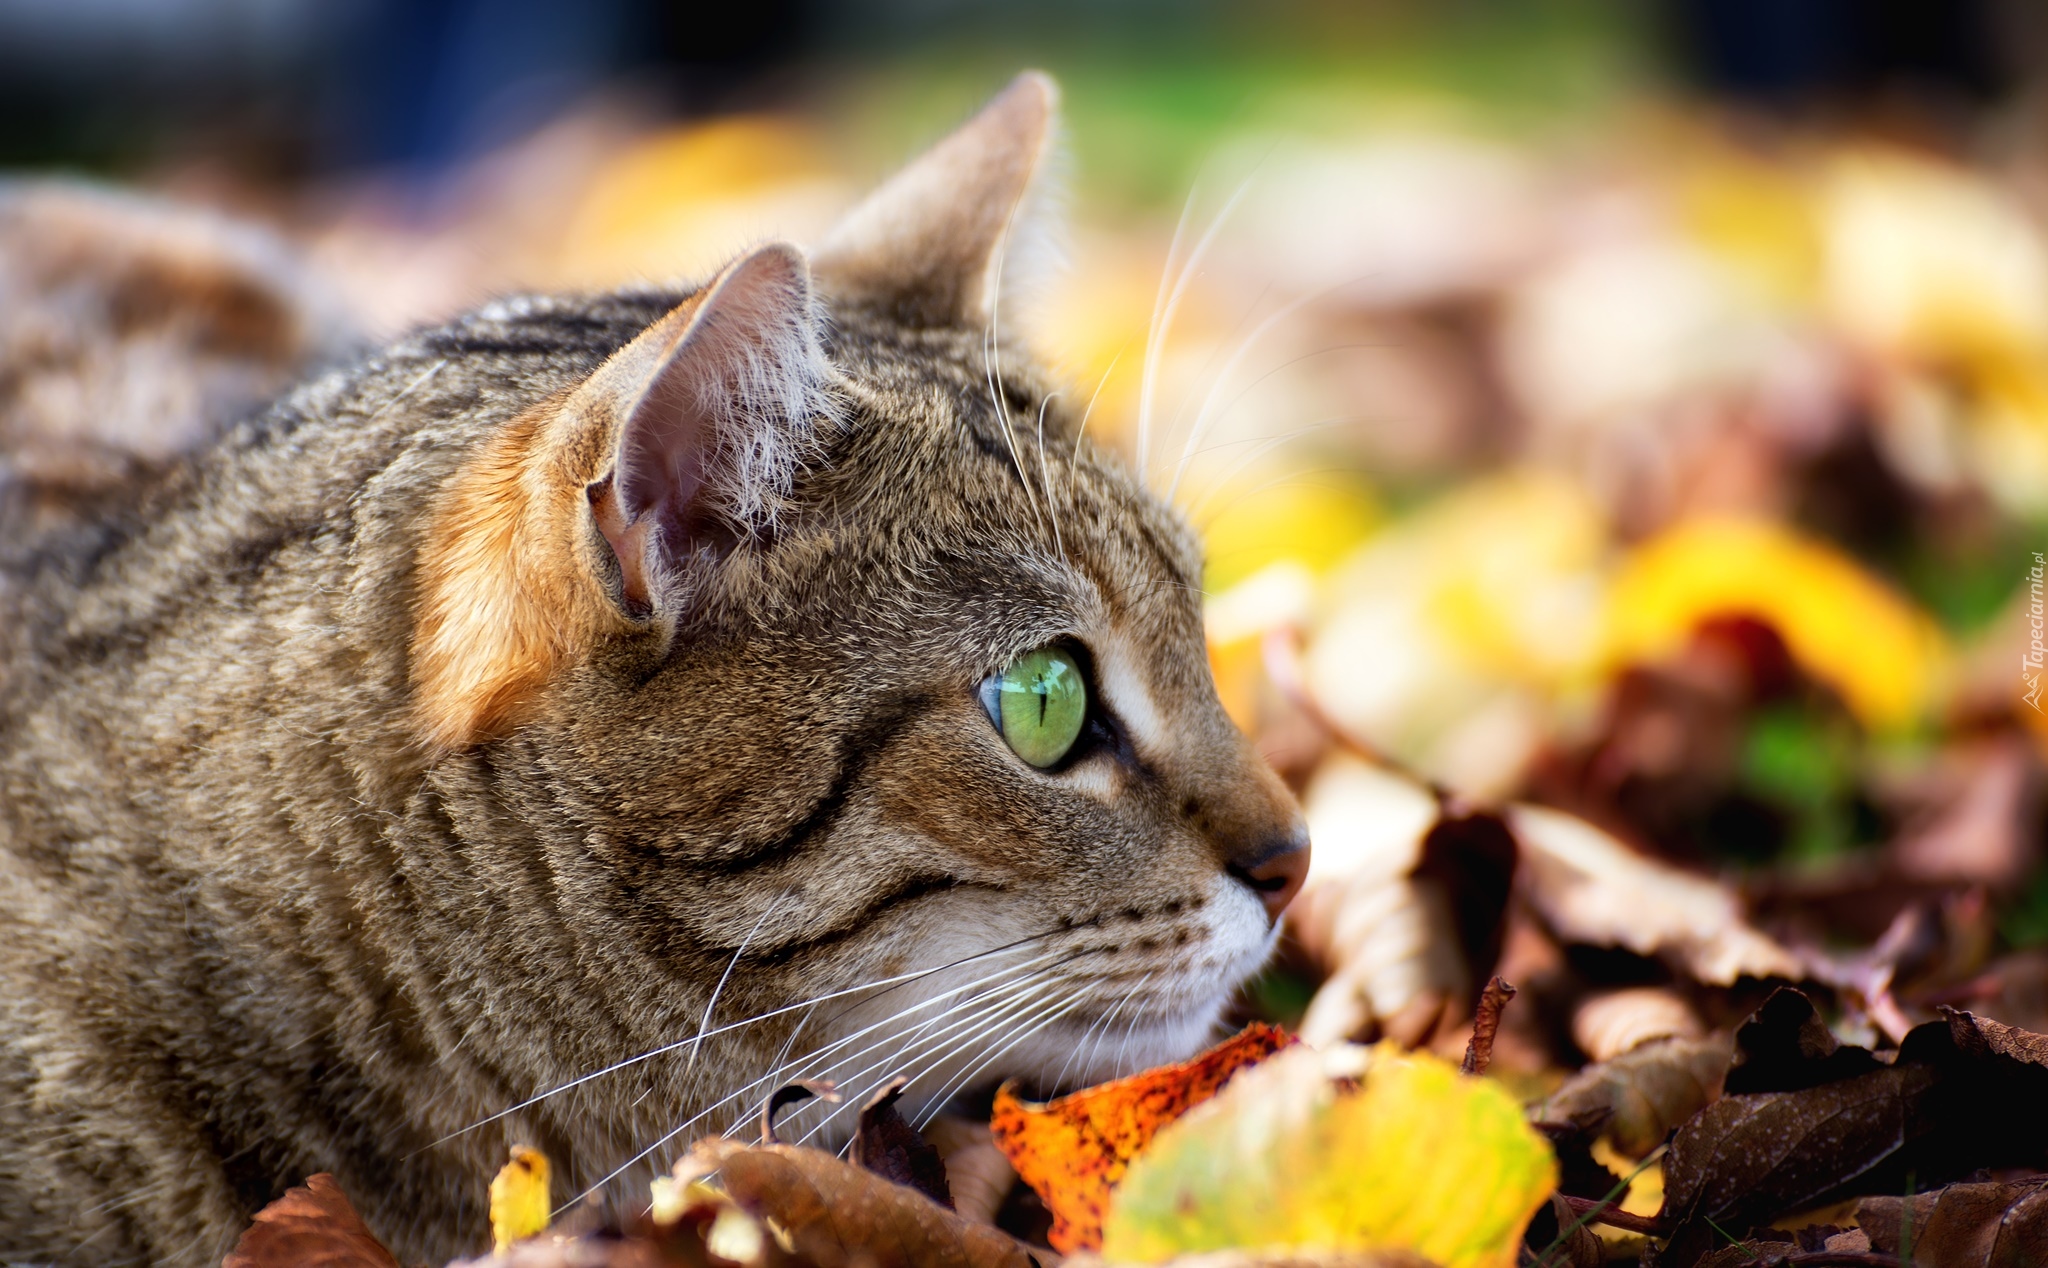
(992, 356)
(1206, 416)
(952, 1088)
(977, 1024)
(889, 982)
(796, 1068)
(1088, 413)
(1045, 477)
(697, 1044)
(1155, 340)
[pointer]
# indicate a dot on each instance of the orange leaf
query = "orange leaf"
(310, 1227)
(1074, 1150)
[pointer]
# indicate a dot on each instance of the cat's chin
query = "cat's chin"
(1061, 1062)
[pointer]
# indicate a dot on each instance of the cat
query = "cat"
(645, 698)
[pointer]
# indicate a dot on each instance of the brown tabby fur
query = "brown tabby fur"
(391, 762)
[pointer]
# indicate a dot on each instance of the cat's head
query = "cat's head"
(831, 655)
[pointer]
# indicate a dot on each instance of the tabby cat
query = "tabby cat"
(762, 680)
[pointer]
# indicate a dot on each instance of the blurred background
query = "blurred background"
(1638, 409)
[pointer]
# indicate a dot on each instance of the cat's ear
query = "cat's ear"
(687, 437)
(716, 405)
(930, 243)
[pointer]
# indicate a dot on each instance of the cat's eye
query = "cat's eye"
(1040, 703)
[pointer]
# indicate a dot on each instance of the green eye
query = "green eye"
(1039, 704)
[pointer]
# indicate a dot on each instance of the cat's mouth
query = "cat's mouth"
(1044, 1048)
(1048, 1065)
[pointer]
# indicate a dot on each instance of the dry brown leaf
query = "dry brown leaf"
(1637, 1098)
(1980, 833)
(1387, 941)
(1593, 889)
(1964, 1225)
(1976, 1036)
(836, 1215)
(1609, 1023)
(1578, 1246)
(976, 1170)
(1748, 1159)
(1405, 905)
(313, 1226)
(889, 1146)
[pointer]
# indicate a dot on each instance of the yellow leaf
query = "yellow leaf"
(1258, 521)
(1845, 627)
(519, 1198)
(1347, 1149)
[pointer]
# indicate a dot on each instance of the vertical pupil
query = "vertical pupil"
(1042, 704)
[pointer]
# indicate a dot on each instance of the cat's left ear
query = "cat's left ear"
(686, 439)
(934, 243)
(717, 404)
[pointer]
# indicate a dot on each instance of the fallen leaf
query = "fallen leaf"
(1845, 627)
(1591, 888)
(891, 1148)
(1746, 1254)
(519, 1198)
(1748, 1159)
(1637, 1098)
(1278, 1257)
(1073, 1151)
(1784, 1046)
(1609, 1023)
(1485, 1025)
(977, 1174)
(1351, 1148)
(690, 1225)
(833, 1214)
(1386, 941)
(1982, 832)
(1964, 1225)
(312, 1226)
(1996, 1091)
(1976, 1035)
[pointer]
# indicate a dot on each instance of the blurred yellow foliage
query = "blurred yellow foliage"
(1414, 1156)
(1311, 520)
(1754, 214)
(1845, 627)
(1448, 637)
(683, 199)
(1931, 261)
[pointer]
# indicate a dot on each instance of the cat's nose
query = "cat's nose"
(1275, 873)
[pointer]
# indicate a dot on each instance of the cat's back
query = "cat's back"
(298, 498)
(200, 718)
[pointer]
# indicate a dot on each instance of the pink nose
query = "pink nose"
(1277, 877)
